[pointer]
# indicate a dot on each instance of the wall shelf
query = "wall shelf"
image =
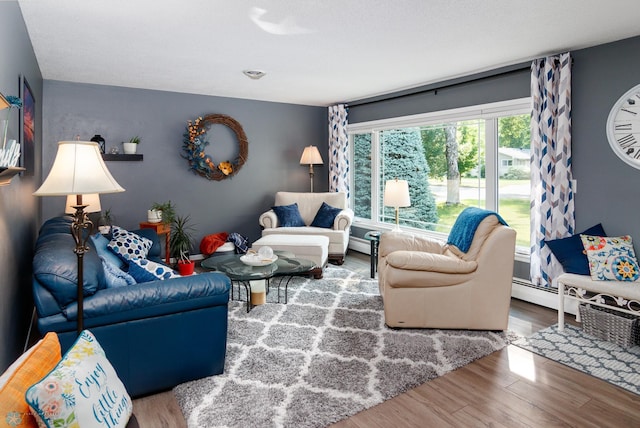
(6, 174)
(122, 158)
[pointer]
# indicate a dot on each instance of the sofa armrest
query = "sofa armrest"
(268, 220)
(152, 299)
(343, 220)
(429, 262)
(396, 241)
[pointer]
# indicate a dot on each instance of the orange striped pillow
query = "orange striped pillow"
(32, 366)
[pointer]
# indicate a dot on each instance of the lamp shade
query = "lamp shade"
(396, 193)
(78, 169)
(311, 156)
(92, 202)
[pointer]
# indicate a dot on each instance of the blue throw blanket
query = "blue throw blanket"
(465, 227)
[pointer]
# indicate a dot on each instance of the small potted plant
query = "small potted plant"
(164, 213)
(181, 243)
(131, 147)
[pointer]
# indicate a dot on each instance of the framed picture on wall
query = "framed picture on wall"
(28, 126)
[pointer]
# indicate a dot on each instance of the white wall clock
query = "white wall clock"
(623, 127)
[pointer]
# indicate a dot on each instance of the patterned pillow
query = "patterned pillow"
(39, 360)
(128, 245)
(611, 258)
(288, 215)
(82, 390)
(115, 276)
(144, 270)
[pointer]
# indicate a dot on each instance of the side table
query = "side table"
(161, 229)
(374, 237)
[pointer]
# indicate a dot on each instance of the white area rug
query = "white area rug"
(574, 348)
(323, 357)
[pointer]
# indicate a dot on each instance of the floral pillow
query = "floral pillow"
(611, 258)
(83, 390)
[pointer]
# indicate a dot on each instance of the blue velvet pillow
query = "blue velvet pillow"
(325, 216)
(101, 243)
(570, 251)
(288, 215)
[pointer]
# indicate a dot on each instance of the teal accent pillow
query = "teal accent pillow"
(611, 258)
(144, 270)
(128, 245)
(325, 216)
(288, 215)
(83, 390)
(570, 251)
(102, 249)
(115, 276)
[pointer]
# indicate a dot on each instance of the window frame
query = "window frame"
(489, 112)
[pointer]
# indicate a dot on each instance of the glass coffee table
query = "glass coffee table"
(286, 267)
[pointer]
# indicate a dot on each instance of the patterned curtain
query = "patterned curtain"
(338, 149)
(552, 204)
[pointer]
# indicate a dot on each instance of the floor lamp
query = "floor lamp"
(78, 170)
(311, 156)
(396, 195)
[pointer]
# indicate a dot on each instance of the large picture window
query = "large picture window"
(477, 156)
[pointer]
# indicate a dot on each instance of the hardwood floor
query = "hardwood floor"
(509, 388)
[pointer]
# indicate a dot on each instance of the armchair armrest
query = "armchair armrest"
(393, 241)
(429, 262)
(343, 220)
(268, 220)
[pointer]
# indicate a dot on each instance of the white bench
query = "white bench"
(623, 296)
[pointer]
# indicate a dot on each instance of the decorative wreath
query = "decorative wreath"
(194, 145)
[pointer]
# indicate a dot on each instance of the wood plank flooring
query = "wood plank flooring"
(509, 388)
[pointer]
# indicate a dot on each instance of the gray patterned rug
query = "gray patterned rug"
(604, 360)
(323, 357)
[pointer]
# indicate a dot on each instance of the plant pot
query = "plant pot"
(129, 148)
(154, 216)
(186, 268)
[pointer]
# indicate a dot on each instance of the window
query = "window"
(476, 156)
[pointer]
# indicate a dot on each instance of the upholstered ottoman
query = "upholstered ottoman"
(310, 247)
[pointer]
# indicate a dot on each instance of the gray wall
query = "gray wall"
(277, 134)
(18, 208)
(607, 188)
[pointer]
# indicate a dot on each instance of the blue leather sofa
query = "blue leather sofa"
(156, 334)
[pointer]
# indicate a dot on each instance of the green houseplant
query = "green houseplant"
(131, 147)
(164, 212)
(181, 243)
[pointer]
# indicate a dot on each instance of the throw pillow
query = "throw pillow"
(39, 360)
(102, 249)
(288, 215)
(570, 251)
(128, 245)
(115, 276)
(82, 390)
(144, 270)
(325, 216)
(611, 258)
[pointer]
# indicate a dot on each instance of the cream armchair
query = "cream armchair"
(427, 283)
(308, 205)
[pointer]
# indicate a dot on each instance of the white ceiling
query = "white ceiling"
(314, 52)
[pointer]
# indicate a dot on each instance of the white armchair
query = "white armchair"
(308, 205)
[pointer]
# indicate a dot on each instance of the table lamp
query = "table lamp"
(79, 170)
(396, 195)
(311, 156)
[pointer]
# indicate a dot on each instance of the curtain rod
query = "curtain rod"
(437, 87)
